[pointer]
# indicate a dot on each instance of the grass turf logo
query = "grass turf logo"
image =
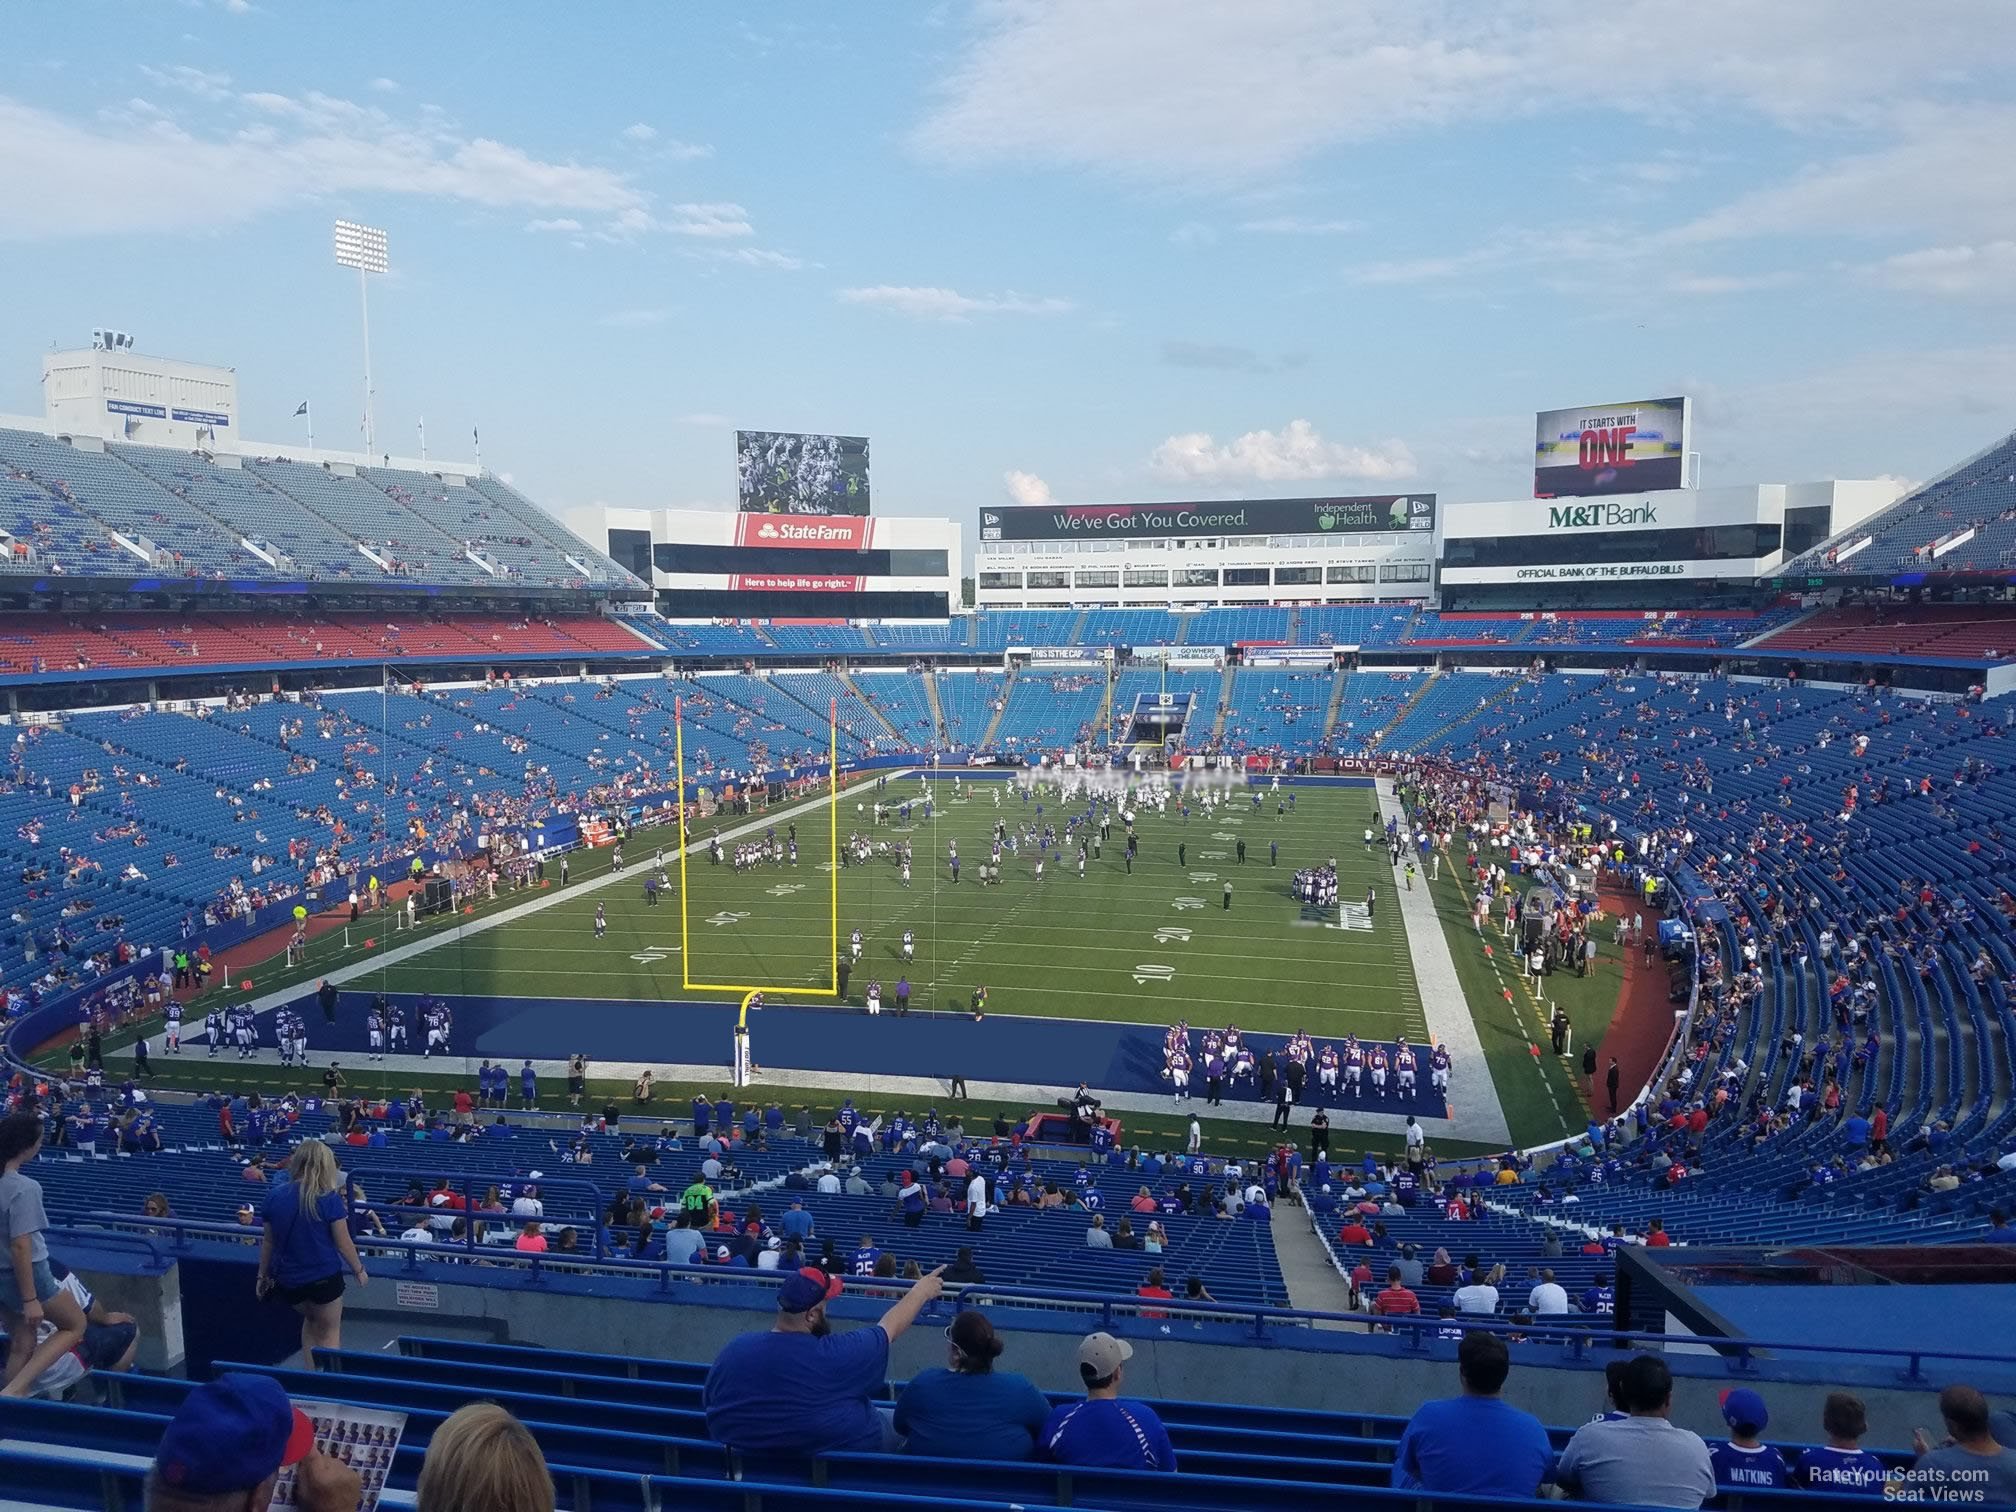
(1600, 516)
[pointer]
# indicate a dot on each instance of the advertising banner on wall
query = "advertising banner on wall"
(795, 582)
(1639, 447)
(1141, 522)
(816, 535)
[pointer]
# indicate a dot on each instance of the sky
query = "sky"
(1037, 249)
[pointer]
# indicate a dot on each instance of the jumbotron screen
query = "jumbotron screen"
(789, 472)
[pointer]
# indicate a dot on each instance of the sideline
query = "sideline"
(1475, 1113)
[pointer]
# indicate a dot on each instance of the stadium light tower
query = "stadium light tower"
(363, 248)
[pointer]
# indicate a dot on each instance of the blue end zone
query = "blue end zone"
(1044, 1052)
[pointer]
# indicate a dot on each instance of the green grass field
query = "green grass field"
(1150, 947)
(1062, 947)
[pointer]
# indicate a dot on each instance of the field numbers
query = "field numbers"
(1351, 916)
(1188, 903)
(1214, 855)
(785, 889)
(652, 954)
(1203, 876)
(1153, 973)
(724, 918)
(1172, 934)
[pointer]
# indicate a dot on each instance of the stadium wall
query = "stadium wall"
(1227, 1362)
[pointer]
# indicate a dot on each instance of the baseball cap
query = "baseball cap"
(230, 1434)
(806, 1289)
(1103, 1354)
(1742, 1405)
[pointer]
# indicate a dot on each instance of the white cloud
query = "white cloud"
(760, 257)
(282, 150)
(676, 151)
(385, 86)
(1986, 269)
(1025, 487)
(1295, 453)
(711, 222)
(1199, 91)
(927, 303)
(1298, 225)
(637, 131)
(1727, 283)
(634, 320)
(1949, 172)
(204, 83)
(558, 223)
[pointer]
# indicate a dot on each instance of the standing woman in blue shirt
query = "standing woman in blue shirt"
(971, 1410)
(306, 1247)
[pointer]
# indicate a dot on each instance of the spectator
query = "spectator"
(1840, 1464)
(1481, 1295)
(802, 1389)
(1474, 1444)
(1641, 1458)
(110, 1339)
(1971, 1465)
(1354, 1232)
(1744, 1463)
(1096, 1236)
(1442, 1270)
(227, 1444)
(1106, 1429)
(962, 1271)
(967, 1409)
(531, 1239)
(156, 1206)
(29, 1292)
(1156, 1288)
(1396, 1301)
(305, 1246)
(483, 1460)
(1548, 1298)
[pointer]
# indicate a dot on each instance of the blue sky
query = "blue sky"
(1083, 249)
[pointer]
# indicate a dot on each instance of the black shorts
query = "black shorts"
(575, 1085)
(321, 1293)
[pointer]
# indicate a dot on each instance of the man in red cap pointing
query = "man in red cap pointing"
(801, 1388)
(225, 1449)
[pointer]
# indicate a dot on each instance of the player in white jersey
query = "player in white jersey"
(374, 1029)
(248, 1035)
(1377, 1060)
(909, 946)
(1354, 1066)
(213, 1031)
(874, 997)
(172, 1012)
(1404, 1066)
(1179, 1075)
(437, 1031)
(1326, 1068)
(1438, 1067)
(854, 946)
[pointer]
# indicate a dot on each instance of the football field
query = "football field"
(1146, 944)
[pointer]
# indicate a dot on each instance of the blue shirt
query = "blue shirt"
(1472, 1446)
(951, 1415)
(795, 1223)
(1122, 1433)
(795, 1394)
(1752, 1469)
(1828, 1468)
(303, 1249)
(528, 1080)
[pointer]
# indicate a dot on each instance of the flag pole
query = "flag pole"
(833, 825)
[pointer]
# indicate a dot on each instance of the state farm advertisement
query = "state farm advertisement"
(804, 532)
(796, 582)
